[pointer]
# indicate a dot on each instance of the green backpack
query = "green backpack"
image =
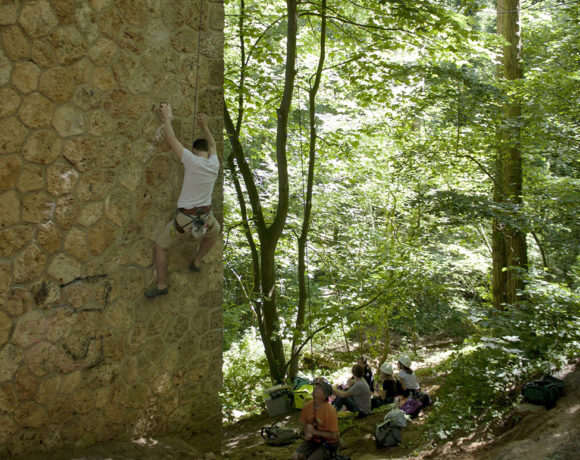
(278, 435)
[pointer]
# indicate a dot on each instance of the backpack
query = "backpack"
(387, 435)
(544, 392)
(278, 435)
(396, 418)
(388, 432)
(299, 382)
(423, 398)
(412, 407)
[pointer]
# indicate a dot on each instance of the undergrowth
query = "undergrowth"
(246, 376)
(478, 385)
(482, 381)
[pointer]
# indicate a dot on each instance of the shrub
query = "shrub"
(245, 377)
(520, 344)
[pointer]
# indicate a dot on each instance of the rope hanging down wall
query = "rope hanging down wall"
(197, 66)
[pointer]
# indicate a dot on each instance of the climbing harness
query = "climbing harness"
(197, 219)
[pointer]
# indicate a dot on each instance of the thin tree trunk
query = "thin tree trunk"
(541, 249)
(344, 336)
(303, 239)
(387, 338)
(268, 235)
(246, 225)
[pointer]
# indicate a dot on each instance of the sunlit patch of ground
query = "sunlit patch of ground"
(538, 434)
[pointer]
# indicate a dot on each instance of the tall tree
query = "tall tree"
(303, 238)
(508, 238)
(268, 232)
(361, 37)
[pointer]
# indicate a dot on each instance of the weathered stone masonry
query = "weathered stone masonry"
(85, 185)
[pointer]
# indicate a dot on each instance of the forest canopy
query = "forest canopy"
(398, 174)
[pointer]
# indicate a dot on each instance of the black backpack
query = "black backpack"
(424, 399)
(544, 392)
(278, 435)
(387, 435)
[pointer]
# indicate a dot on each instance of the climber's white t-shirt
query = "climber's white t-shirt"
(199, 177)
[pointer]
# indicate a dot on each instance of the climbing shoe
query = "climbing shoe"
(193, 267)
(154, 291)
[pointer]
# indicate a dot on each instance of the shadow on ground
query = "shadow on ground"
(531, 433)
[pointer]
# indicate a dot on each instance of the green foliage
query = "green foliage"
(474, 390)
(548, 322)
(551, 132)
(245, 377)
(400, 239)
(484, 379)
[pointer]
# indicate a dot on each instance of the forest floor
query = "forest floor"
(531, 432)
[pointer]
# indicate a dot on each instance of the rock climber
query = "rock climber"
(193, 214)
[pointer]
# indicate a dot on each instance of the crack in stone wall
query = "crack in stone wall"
(85, 186)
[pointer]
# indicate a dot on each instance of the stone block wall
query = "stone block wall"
(86, 183)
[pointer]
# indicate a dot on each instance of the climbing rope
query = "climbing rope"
(197, 67)
(159, 133)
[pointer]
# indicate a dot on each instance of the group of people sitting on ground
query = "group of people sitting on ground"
(319, 418)
(404, 384)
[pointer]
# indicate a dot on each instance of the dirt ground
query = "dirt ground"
(531, 433)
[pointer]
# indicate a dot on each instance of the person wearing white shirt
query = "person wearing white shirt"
(201, 167)
(408, 384)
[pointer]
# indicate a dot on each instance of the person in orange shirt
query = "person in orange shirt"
(319, 422)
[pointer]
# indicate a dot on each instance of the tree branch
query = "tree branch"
(238, 152)
(282, 127)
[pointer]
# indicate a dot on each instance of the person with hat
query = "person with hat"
(407, 383)
(319, 422)
(388, 389)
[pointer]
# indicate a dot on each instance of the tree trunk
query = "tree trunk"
(509, 240)
(268, 235)
(270, 331)
(498, 249)
(303, 239)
